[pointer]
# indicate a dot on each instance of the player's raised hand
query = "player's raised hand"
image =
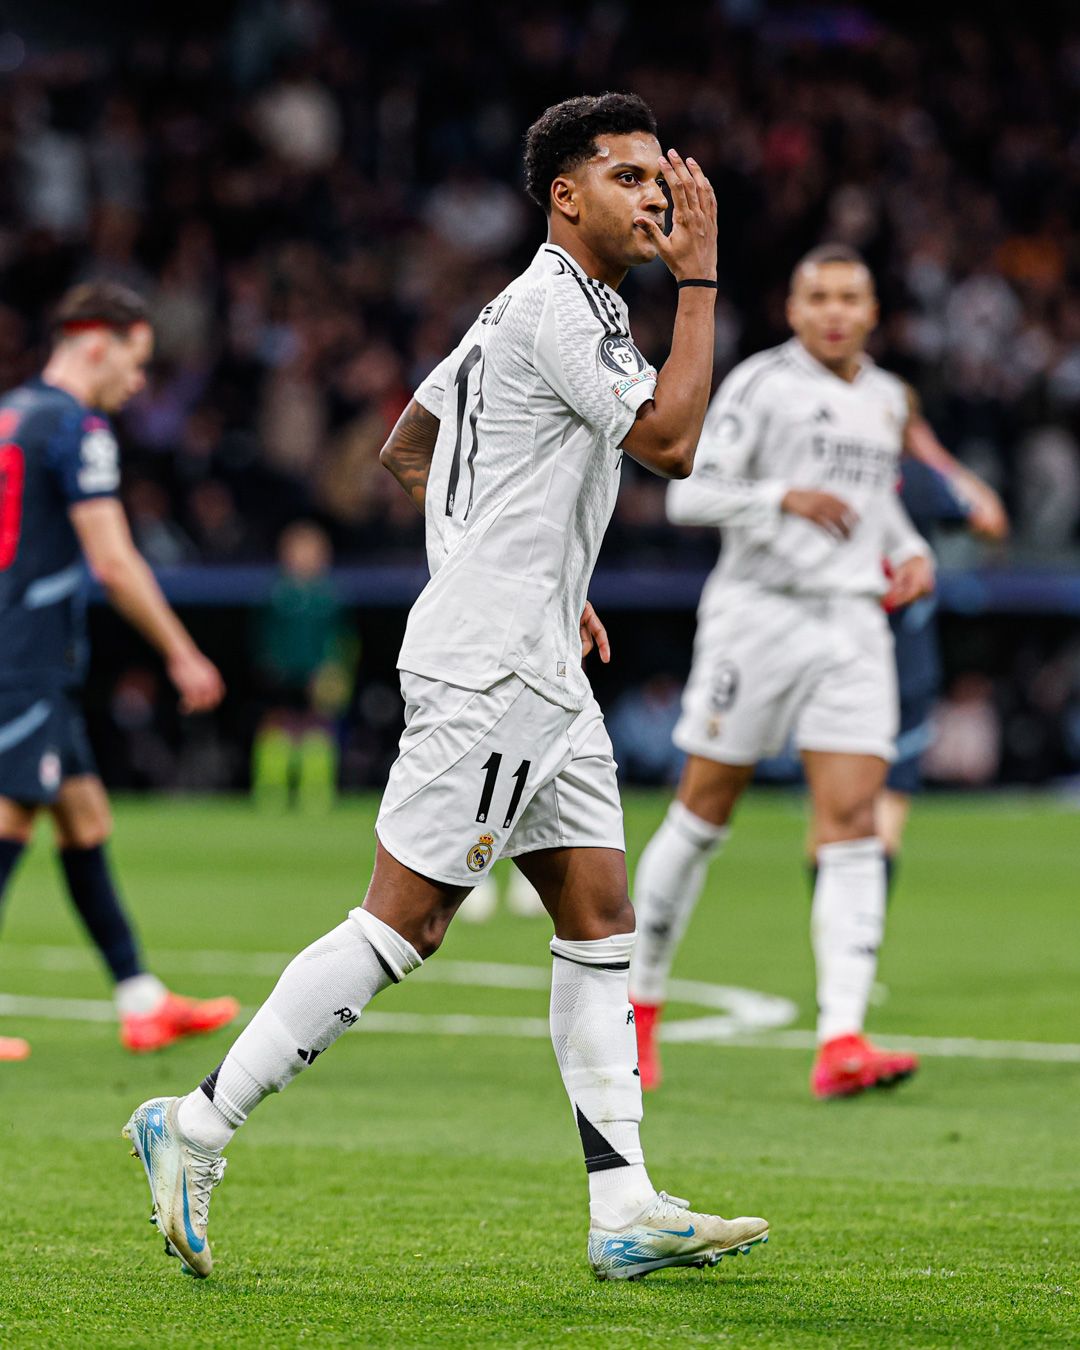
(831, 514)
(910, 580)
(593, 634)
(198, 681)
(689, 251)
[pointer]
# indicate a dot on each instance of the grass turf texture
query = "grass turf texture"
(428, 1190)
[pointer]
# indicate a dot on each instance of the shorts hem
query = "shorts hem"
(422, 869)
(738, 759)
(837, 745)
(573, 841)
(40, 798)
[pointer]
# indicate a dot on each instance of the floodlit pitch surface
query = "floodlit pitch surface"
(419, 1187)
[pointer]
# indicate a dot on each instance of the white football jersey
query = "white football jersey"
(781, 420)
(533, 405)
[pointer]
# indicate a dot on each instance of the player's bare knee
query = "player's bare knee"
(81, 834)
(847, 820)
(620, 917)
(16, 820)
(601, 917)
(83, 829)
(430, 937)
(99, 830)
(711, 791)
(16, 834)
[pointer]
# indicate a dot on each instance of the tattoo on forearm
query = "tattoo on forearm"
(407, 454)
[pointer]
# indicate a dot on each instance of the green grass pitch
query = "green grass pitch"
(427, 1189)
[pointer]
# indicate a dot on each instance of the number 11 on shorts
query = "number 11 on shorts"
(491, 773)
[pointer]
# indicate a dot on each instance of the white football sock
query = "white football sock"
(319, 996)
(667, 885)
(138, 994)
(596, 1049)
(847, 927)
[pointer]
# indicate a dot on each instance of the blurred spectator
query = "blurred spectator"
(301, 122)
(157, 536)
(640, 724)
(308, 191)
(966, 749)
(216, 527)
(134, 712)
(476, 216)
(1048, 488)
(305, 657)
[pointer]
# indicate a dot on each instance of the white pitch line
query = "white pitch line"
(57, 1009)
(536, 1028)
(749, 1018)
(942, 1047)
(743, 1010)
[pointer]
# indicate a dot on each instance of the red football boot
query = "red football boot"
(848, 1065)
(173, 1018)
(13, 1047)
(646, 1023)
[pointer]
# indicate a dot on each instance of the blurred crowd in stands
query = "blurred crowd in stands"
(318, 199)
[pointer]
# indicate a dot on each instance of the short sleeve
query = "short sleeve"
(432, 390)
(84, 457)
(589, 361)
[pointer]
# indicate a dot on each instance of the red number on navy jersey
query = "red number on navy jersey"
(12, 473)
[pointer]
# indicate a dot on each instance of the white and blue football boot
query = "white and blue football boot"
(668, 1232)
(181, 1177)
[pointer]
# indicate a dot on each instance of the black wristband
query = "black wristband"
(696, 281)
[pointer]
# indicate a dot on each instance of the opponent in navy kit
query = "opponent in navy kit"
(55, 452)
(59, 474)
(929, 501)
(936, 489)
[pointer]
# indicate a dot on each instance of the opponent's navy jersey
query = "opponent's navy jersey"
(54, 452)
(929, 500)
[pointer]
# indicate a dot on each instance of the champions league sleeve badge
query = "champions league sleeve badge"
(619, 356)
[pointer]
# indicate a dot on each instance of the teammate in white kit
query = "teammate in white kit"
(512, 448)
(798, 466)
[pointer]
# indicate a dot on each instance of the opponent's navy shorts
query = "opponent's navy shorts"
(915, 737)
(43, 740)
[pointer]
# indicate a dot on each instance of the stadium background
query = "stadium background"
(318, 198)
(295, 186)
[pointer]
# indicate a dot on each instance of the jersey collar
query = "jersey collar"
(812, 366)
(577, 268)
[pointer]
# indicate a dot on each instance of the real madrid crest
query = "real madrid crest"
(479, 855)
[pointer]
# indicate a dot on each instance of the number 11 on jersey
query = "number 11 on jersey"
(461, 384)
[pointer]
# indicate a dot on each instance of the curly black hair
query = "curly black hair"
(564, 136)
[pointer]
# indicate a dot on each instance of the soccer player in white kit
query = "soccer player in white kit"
(798, 466)
(512, 448)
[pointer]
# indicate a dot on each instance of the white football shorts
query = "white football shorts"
(768, 664)
(495, 773)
